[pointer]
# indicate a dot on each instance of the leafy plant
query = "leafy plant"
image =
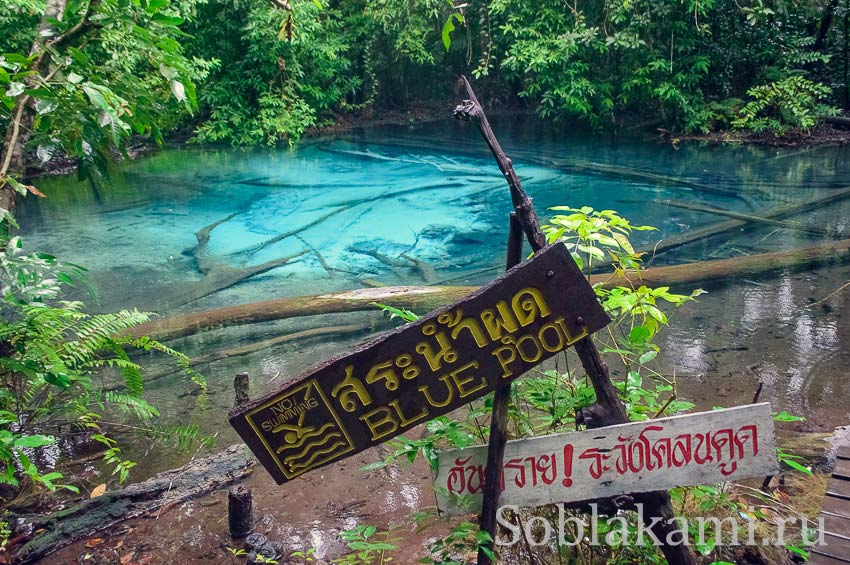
(79, 78)
(794, 101)
(549, 402)
(53, 368)
(306, 556)
(463, 539)
(368, 546)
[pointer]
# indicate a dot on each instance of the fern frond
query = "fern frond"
(131, 404)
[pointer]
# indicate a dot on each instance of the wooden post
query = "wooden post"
(241, 385)
(498, 421)
(607, 410)
(240, 511)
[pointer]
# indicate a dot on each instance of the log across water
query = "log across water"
(197, 478)
(430, 297)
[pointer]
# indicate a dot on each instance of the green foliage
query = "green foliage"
(305, 556)
(276, 73)
(792, 461)
(463, 538)
(103, 72)
(549, 402)
(792, 102)
(596, 61)
(401, 313)
(54, 364)
(267, 74)
(589, 233)
(368, 546)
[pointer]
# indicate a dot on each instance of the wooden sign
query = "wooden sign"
(692, 449)
(423, 370)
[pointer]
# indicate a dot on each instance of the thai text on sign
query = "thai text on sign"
(692, 449)
(423, 370)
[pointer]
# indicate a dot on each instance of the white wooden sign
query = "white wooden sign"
(693, 449)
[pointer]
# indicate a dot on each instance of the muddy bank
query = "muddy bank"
(308, 512)
(821, 135)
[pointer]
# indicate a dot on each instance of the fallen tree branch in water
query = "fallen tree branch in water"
(319, 257)
(330, 332)
(722, 227)
(334, 331)
(830, 295)
(431, 297)
(225, 277)
(425, 269)
(204, 262)
(551, 160)
(746, 217)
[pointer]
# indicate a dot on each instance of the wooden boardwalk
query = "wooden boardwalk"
(836, 515)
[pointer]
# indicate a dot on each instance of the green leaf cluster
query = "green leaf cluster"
(792, 102)
(66, 373)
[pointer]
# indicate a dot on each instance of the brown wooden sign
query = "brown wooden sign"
(423, 370)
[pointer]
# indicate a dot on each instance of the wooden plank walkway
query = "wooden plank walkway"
(836, 514)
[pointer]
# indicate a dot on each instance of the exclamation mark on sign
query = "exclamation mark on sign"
(568, 466)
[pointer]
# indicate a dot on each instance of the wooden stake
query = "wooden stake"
(498, 423)
(240, 511)
(241, 385)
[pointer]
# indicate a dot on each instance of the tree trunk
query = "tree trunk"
(12, 157)
(431, 297)
(825, 23)
(165, 489)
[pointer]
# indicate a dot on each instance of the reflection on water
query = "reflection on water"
(367, 205)
(771, 331)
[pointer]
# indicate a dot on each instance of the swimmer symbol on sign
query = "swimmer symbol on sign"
(304, 429)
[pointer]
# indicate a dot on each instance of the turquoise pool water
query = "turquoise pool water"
(359, 206)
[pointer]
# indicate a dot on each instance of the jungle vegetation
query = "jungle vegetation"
(80, 80)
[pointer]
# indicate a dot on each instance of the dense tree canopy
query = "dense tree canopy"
(79, 77)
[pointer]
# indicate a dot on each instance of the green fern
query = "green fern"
(51, 352)
(130, 404)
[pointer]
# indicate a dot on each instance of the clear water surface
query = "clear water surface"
(362, 203)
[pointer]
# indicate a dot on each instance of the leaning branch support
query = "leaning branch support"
(430, 297)
(172, 487)
(606, 411)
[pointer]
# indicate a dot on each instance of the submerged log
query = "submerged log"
(172, 487)
(838, 121)
(417, 297)
(430, 297)
(722, 227)
(335, 331)
(746, 217)
(225, 277)
(204, 262)
(581, 167)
